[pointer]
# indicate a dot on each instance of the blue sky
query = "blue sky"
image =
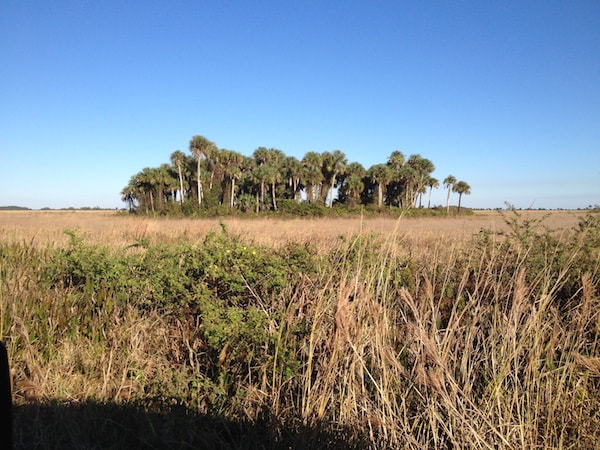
(503, 95)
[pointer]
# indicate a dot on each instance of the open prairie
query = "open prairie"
(113, 228)
(478, 331)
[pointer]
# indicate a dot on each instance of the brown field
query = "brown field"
(116, 229)
(429, 337)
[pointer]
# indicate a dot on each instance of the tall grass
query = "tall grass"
(380, 341)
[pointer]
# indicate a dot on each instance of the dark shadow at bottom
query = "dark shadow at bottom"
(93, 425)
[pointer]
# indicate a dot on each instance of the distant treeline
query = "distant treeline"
(83, 208)
(13, 208)
(214, 179)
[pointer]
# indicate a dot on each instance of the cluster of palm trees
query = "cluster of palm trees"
(209, 176)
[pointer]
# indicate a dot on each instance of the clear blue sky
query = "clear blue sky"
(503, 95)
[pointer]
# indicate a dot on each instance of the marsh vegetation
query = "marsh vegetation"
(465, 332)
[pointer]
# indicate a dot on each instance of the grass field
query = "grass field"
(111, 228)
(477, 331)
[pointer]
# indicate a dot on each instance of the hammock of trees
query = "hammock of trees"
(210, 177)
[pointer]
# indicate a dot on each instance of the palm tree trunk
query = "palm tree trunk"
(273, 192)
(199, 185)
(180, 184)
(331, 191)
(296, 190)
(161, 198)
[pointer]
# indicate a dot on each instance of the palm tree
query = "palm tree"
(275, 157)
(247, 166)
(461, 188)
(449, 183)
(268, 174)
(260, 175)
(268, 162)
(396, 160)
(274, 162)
(201, 147)
(422, 168)
(353, 187)
(190, 167)
(217, 166)
(402, 186)
(215, 163)
(312, 174)
(351, 184)
(431, 183)
(261, 156)
(293, 171)
(232, 168)
(135, 190)
(145, 182)
(168, 183)
(249, 185)
(422, 190)
(128, 195)
(380, 174)
(402, 174)
(177, 159)
(334, 164)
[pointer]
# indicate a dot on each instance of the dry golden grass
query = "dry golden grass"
(46, 228)
(423, 337)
